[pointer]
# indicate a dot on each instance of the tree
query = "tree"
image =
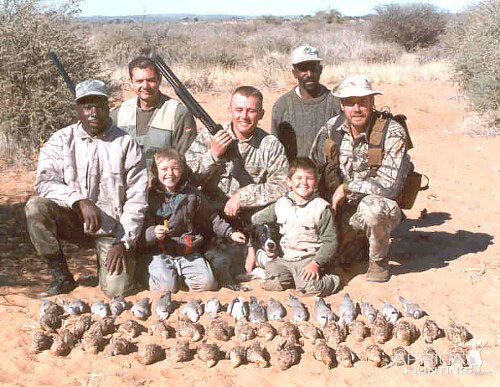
(409, 25)
(36, 101)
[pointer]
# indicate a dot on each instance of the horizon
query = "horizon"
(97, 8)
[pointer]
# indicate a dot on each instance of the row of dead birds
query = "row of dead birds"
(254, 311)
(251, 322)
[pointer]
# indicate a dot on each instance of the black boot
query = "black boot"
(63, 280)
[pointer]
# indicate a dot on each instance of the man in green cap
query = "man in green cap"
(91, 184)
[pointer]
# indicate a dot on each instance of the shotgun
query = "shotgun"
(232, 153)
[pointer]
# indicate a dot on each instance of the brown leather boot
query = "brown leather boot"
(378, 271)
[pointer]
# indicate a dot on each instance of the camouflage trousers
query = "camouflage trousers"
(49, 224)
(369, 221)
(281, 275)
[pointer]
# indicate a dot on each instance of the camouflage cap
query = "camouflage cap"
(90, 87)
(355, 86)
(305, 54)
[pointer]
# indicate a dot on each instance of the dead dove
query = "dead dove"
(309, 331)
(131, 328)
(275, 310)
(209, 354)
(456, 333)
(180, 352)
(345, 357)
(219, 330)
(82, 325)
(381, 330)
(237, 355)
(400, 356)
(93, 344)
(299, 311)
(258, 355)
(159, 328)
(40, 342)
(164, 307)
(334, 333)
(405, 331)
(358, 330)
(287, 356)
(389, 312)
(120, 346)
(376, 355)
(431, 331)
(50, 322)
(100, 309)
(192, 310)
(369, 311)
(103, 327)
(238, 308)
(324, 354)
(347, 310)
(257, 313)
(429, 359)
(48, 306)
(322, 312)
(194, 331)
(266, 331)
(75, 307)
(411, 309)
(212, 307)
(151, 353)
(118, 305)
(142, 309)
(63, 343)
(244, 331)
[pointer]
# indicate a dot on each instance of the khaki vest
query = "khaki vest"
(161, 127)
(299, 228)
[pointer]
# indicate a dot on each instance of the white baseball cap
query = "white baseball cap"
(305, 54)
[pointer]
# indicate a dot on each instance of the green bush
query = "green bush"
(472, 42)
(36, 102)
(410, 25)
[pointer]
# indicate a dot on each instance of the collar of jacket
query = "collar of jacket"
(254, 140)
(80, 132)
(163, 98)
(290, 198)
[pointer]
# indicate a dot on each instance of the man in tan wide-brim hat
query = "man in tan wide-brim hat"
(365, 202)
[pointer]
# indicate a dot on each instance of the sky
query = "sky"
(248, 7)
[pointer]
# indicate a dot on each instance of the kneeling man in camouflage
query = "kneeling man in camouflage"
(370, 149)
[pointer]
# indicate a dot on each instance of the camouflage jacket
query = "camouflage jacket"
(353, 161)
(264, 159)
(109, 170)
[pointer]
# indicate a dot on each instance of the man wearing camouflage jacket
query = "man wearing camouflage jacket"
(365, 205)
(92, 187)
(263, 159)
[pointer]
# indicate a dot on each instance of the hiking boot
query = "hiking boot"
(63, 280)
(61, 285)
(378, 271)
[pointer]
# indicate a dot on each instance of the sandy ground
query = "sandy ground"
(447, 261)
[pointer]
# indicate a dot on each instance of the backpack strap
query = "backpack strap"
(334, 138)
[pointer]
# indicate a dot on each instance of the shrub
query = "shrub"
(472, 44)
(409, 25)
(36, 102)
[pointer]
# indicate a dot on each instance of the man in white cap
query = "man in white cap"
(92, 187)
(371, 154)
(299, 114)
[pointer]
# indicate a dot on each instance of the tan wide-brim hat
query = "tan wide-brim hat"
(355, 86)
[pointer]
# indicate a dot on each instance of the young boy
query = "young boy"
(178, 222)
(308, 235)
